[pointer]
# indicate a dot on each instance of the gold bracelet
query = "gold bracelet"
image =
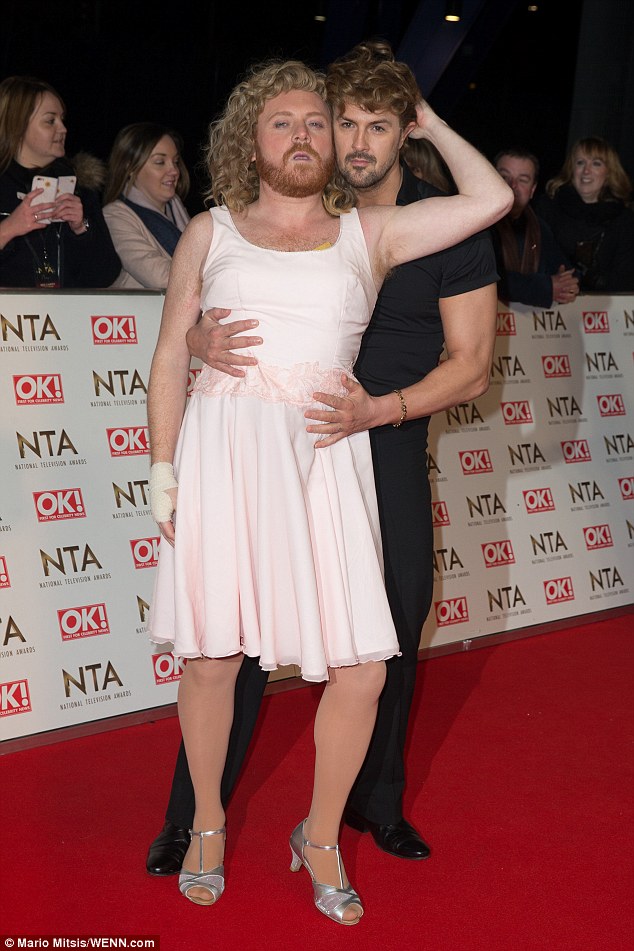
(403, 409)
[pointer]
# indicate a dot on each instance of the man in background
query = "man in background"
(533, 268)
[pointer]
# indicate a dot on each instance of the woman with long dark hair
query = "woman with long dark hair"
(61, 241)
(143, 205)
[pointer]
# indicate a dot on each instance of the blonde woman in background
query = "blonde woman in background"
(587, 206)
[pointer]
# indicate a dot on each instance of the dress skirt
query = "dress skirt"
(278, 551)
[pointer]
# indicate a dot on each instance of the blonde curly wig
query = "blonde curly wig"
(228, 153)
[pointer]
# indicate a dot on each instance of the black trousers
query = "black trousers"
(400, 471)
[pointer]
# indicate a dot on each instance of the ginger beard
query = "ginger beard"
(295, 179)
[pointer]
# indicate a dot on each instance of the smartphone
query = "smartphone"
(48, 195)
(50, 189)
(66, 185)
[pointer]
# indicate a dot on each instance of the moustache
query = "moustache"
(360, 155)
(307, 149)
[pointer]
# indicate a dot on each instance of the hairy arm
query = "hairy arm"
(469, 329)
(167, 389)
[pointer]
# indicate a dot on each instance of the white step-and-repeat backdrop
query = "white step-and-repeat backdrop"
(533, 490)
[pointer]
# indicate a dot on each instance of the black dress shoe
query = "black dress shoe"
(165, 855)
(400, 839)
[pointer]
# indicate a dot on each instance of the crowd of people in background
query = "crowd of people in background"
(118, 222)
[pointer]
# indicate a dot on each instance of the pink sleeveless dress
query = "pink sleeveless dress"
(278, 549)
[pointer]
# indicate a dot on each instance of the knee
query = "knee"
(211, 672)
(364, 681)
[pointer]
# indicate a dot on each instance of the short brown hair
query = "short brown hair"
(371, 78)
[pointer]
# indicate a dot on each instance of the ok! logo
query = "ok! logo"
(451, 611)
(167, 668)
(113, 330)
(439, 514)
(84, 621)
(506, 324)
(538, 500)
(611, 404)
(59, 504)
(597, 536)
(515, 413)
(5, 581)
(596, 322)
(14, 698)
(576, 450)
(496, 554)
(145, 551)
(556, 366)
(475, 461)
(129, 441)
(38, 388)
(558, 589)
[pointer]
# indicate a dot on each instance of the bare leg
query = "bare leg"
(343, 729)
(205, 710)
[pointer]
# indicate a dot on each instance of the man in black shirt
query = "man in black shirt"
(445, 299)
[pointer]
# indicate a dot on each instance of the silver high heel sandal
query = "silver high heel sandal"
(329, 899)
(212, 881)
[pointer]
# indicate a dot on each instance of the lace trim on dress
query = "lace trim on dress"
(295, 384)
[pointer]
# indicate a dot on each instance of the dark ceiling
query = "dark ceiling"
(502, 75)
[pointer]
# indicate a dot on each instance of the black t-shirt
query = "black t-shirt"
(404, 339)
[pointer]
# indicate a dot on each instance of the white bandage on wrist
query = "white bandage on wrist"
(161, 479)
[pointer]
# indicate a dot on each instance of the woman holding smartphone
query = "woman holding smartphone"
(49, 236)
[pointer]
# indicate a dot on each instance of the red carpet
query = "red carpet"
(520, 776)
